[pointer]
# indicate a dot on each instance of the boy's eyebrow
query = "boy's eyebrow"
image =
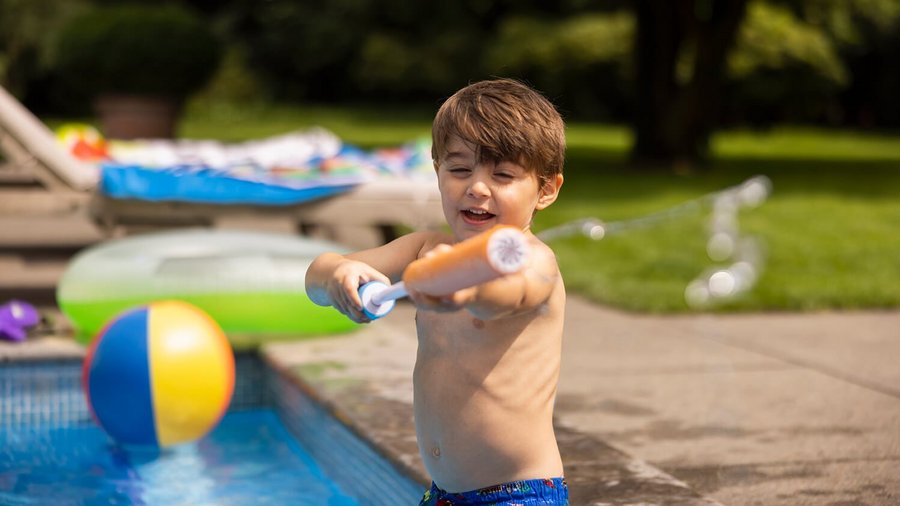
(455, 154)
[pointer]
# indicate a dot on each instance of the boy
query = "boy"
(488, 356)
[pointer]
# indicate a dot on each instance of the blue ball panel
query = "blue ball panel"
(119, 381)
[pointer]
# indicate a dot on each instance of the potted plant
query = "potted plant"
(138, 63)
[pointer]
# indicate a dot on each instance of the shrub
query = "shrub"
(137, 49)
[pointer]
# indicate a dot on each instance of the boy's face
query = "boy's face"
(478, 195)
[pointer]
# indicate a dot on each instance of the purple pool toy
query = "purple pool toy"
(15, 317)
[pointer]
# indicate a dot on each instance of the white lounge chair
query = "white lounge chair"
(42, 186)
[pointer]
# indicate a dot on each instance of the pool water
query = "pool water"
(275, 445)
(250, 458)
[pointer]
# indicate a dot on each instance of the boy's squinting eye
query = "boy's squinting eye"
(459, 171)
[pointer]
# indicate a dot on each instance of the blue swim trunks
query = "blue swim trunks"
(552, 492)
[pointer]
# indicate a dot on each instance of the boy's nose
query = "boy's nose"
(478, 189)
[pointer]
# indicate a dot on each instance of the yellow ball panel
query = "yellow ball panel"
(191, 371)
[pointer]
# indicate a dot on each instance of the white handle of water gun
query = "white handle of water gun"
(378, 298)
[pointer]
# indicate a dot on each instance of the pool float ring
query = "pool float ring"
(251, 283)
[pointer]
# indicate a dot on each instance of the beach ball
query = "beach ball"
(159, 374)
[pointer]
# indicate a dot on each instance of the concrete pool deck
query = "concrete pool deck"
(774, 409)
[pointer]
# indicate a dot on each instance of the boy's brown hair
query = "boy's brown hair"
(507, 121)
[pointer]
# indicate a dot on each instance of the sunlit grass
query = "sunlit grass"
(793, 143)
(830, 239)
(364, 126)
(831, 228)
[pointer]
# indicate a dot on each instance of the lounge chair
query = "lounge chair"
(52, 205)
(42, 185)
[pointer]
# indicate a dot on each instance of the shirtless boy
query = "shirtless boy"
(488, 356)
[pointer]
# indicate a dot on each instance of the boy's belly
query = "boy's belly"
(468, 440)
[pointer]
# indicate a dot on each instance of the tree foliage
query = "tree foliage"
(28, 30)
(338, 49)
(582, 61)
(831, 61)
(812, 60)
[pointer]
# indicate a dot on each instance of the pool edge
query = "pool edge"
(404, 462)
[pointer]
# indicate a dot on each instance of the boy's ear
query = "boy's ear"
(549, 192)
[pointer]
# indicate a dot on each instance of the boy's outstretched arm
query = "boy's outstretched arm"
(511, 294)
(333, 279)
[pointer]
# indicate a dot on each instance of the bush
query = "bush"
(329, 50)
(137, 49)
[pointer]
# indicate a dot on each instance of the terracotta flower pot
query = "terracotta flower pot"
(137, 116)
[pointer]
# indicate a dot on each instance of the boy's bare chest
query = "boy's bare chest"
(461, 333)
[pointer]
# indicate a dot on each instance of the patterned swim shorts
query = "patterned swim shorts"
(551, 491)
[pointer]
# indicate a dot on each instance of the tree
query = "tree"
(681, 49)
(27, 28)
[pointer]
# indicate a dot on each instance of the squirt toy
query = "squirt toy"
(15, 318)
(496, 252)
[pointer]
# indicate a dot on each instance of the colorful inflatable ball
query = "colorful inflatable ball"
(159, 375)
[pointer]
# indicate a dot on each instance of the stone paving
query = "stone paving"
(776, 409)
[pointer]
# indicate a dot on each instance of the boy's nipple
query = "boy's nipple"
(477, 323)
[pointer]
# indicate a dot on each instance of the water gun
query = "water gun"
(487, 256)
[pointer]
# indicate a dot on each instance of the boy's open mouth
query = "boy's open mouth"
(476, 215)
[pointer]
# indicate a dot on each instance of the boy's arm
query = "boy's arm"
(505, 296)
(333, 279)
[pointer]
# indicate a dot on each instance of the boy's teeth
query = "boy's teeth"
(478, 214)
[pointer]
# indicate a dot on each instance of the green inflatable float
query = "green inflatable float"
(251, 283)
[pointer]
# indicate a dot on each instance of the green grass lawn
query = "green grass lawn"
(830, 230)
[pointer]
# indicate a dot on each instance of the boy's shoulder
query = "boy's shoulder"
(542, 253)
(429, 239)
(434, 237)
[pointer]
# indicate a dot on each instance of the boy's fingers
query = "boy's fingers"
(351, 292)
(460, 298)
(381, 278)
(354, 314)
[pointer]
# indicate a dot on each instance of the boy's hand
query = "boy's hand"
(343, 288)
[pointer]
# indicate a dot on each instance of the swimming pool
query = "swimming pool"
(274, 446)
